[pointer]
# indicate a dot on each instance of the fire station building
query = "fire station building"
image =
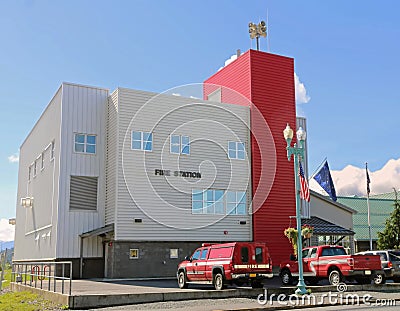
(127, 183)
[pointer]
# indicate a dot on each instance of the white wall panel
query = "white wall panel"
(111, 157)
(84, 111)
(164, 204)
(36, 227)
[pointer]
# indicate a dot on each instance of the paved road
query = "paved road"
(377, 301)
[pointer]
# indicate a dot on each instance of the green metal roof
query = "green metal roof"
(388, 196)
(380, 210)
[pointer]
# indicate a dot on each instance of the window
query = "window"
(204, 254)
(223, 252)
(313, 253)
(180, 144)
(173, 253)
(133, 253)
(244, 254)
(208, 202)
(35, 168)
(142, 141)
(85, 143)
(305, 253)
(30, 173)
(259, 255)
(53, 148)
(196, 255)
(212, 201)
(42, 161)
(236, 150)
(236, 202)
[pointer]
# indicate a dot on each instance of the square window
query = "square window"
(133, 253)
(91, 139)
(80, 138)
(175, 139)
(91, 149)
(175, 149)
(142, 141)
(236, 150)
(136, 145)
(180, 144)
(173, 253)
(79, 147)
(137, 136)
(148, 146)
(85, 143)
(186, 149)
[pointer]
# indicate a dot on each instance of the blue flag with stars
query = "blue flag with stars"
(324, 179)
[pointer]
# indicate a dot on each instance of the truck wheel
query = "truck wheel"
(182, 280)
(379, 279)
(218, 281)
(286, 277)
(334, 277)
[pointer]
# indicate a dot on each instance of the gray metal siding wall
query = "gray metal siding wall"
(83, 111)
(164, 204)
(36, 227)
(111, 157)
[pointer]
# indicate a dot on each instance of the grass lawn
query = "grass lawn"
(23, 301)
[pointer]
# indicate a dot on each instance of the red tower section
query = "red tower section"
(267, 81)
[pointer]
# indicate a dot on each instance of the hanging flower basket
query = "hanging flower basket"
(307, 231)
(291, 234)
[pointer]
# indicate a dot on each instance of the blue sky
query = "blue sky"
(346, 54)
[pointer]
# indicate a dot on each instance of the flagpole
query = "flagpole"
(318, 168)
(369, 212)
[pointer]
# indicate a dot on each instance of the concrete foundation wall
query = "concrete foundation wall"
(154, 259)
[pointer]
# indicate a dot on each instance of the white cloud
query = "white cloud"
(229, 60)
(352, 180)
(13, 158)
(301, 92)
(6, 231)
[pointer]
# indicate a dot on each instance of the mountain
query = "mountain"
(8, 245)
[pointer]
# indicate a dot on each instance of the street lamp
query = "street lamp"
(298, 153)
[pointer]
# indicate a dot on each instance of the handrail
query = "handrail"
(43, 272)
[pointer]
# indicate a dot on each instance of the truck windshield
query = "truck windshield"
(394, 256)
(333, 251)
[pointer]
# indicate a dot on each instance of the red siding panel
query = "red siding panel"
(268, 81)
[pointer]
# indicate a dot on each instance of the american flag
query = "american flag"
(304, 190)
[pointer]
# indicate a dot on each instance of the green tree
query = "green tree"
(390, 237)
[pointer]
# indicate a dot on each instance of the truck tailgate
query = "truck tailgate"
(367, 262)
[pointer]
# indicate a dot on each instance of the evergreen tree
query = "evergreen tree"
(390, 237)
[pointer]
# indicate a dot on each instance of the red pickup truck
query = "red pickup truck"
(228, 263)
(332, 262)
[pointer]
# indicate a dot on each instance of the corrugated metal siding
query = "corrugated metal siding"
(36, 227)
(270, 87)
(84, 111)
(111, 157)
(165, 205)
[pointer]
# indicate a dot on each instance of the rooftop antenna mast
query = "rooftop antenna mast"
(257, 31)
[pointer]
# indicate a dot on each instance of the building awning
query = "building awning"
(323, 227)
(98, 231)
